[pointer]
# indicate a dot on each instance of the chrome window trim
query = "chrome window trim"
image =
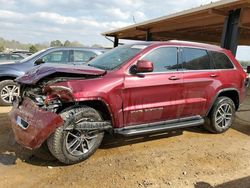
(179, 48)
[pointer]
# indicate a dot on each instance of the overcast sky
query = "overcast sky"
(82, 20)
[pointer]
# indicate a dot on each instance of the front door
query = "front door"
(155, 96)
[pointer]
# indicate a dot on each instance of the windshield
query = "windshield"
(32, 56)
(116, 57)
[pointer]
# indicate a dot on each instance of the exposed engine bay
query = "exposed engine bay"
(46, 95)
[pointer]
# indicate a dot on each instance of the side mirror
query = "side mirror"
(248, 69)
(144, 66)
(39, 61)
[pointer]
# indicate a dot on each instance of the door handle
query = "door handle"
(213, 75)
(173, 78)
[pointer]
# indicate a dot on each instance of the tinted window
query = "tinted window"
(4, 57)
(57, 57)
(164, 59)
(195, 59)
(83, 56)
(15, 57)
(221, 61)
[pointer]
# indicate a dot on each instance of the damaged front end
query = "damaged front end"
(35, 113)
(32, 125)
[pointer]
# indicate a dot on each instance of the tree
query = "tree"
(56, 43)
(76, 44)
(33, 49)
(1, 48)
(96, 46)
(67, 43)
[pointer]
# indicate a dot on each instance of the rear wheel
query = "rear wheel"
(222, 115)
(8, 91)
(73, 146)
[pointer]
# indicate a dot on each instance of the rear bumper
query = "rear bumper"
(32, 125)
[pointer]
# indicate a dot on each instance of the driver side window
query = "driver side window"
(164, 59)
(61, 56)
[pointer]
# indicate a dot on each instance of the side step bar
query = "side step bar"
(159, 127)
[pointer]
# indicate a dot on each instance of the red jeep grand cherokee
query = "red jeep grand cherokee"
(133, 89)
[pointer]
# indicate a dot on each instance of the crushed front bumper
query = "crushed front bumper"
(32, 125)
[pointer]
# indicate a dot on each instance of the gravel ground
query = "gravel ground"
(183, 158)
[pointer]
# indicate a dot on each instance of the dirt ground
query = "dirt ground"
(184, 158)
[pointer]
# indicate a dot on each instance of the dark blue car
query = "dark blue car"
(9, 71)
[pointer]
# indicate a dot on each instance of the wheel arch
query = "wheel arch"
(231, 93)
(2, 78)
(98, 104)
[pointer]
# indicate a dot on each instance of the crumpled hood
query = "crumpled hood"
(44, 70)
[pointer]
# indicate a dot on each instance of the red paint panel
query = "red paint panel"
(41, 124)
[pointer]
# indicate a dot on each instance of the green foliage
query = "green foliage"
(12, 44)
(56, 43)
(33, 49)
(67, 43)
(1, 48)
(96, 46)
(76, 44)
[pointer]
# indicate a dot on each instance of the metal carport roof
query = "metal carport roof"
(202, 24)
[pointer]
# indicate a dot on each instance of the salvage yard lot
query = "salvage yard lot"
(183, 158)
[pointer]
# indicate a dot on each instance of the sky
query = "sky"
(39, 21)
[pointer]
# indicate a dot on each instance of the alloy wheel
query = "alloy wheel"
(9, 93)
(224, 115)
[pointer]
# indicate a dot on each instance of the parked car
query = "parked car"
(9, 71)
(8, 57)
(130, 90)
(22, 52)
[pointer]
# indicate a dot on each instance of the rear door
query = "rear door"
(199, 79)
(155, 96)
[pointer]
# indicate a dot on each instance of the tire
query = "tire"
(6, 86)
(58, 142)
(222, 115)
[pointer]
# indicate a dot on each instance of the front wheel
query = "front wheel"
(222, 115)
(73, 146)
(9, 90)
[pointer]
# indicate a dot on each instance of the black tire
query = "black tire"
(57, 142)
(3, 84)
(214, 122)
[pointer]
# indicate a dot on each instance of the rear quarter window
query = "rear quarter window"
(195, 59)
(221, 61)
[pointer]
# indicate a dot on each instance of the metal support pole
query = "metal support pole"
(230, 34)
(148, 36)
(116, 42)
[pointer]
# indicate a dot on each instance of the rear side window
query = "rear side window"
(164, 59)
(221, 61)
(4, 57)
(195, 59)
(61, 56)
(15, 57)
(83, 56)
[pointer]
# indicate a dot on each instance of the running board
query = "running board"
(160, 126)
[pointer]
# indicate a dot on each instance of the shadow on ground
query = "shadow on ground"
(239, 183)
